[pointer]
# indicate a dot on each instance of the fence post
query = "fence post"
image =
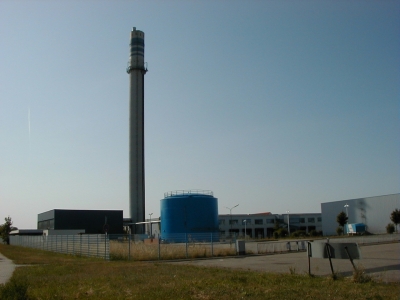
(159, 247)
(105, 246)
(212, 245)
(129, 246)
(186, 245)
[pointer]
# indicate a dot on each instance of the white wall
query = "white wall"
(372, 211)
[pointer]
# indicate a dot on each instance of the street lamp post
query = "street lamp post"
(347, 215)
(151, 232)
(245, 221)
(347, 212)
(230, 212)
(288, 220)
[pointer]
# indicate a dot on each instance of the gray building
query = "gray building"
(91, 221)
(262, 225)
(374, 212)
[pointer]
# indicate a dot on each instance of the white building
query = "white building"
(262, 225)
(374, 212)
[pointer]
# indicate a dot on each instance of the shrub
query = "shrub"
(314, 233)
(390, 228)
(282, 232)
(360, 276)
(299, 233)
(339, 230)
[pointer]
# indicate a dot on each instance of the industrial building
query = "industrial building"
(262, 225)
(374, 212)
(90, 221)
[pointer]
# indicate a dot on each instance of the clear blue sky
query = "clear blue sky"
(273, 105)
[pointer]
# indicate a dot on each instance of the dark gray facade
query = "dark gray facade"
(92, 221)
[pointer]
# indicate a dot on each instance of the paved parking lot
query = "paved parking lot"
(380, 261)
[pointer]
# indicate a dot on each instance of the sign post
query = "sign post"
(332, 250)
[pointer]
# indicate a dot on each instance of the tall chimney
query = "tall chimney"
(136, 70)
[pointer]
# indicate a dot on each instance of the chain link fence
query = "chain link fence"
(177, 246)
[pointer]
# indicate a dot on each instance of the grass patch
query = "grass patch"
(14, 290)
(59, 276)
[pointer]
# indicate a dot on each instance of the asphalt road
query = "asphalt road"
(381, 261)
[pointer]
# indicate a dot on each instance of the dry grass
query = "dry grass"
(143, 252)
(59, 276)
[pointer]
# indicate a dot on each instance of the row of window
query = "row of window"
(269, 221)
(48, 224)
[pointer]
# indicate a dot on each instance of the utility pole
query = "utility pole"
(230, 212)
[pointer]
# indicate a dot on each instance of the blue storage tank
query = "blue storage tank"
(189, 216)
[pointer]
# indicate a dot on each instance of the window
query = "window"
(258, 221)
(248, 221)
(221, 222)
(270, 221)
(48, 224)
(302, 220)
(233, 222)
(319, 219)
(311, 220)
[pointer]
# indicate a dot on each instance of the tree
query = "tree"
(341, 219)
(395, 217)
(390, 228)
(5, 230)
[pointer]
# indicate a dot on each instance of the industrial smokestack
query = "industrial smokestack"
(136, 70)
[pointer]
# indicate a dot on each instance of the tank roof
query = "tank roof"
(188, 192)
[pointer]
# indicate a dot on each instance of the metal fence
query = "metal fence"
(280, 247)
(92, 245)
(369, 239)
(301, 245)
(177, 246)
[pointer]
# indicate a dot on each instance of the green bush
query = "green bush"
(314, 233)
(282, 232)
(390, 228)
(299, 233)
(339, 230)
